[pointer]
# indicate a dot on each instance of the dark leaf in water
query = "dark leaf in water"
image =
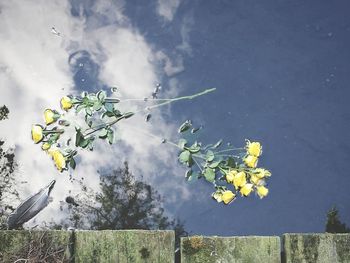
(216, 145)
(30, 207)
(148, 117)
(185, 126)
(70, 200)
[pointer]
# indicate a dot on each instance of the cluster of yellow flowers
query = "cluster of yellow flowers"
(49, 136)
(245, 179)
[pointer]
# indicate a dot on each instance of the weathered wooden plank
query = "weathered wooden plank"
(317, 248)
(124, 246)
(250, 249)
(34, 246)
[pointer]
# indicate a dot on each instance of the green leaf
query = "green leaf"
(185, 126)
(97, 105)
(90, 146)
(214, 164)
(117, 113)
(128, 115)
(103, 134)
(216, 145)
(231, 162)
(188, 173)
(209, 174)
(88, 111)
(108, 114)
(101, 95)
(194, 148)
(79, 108)
(194, 130)
(78, 137)
(210, 156)
(184, 156)
(72, 163)
(109, 107)
(84, 143)
(182, 143)
(110, 136)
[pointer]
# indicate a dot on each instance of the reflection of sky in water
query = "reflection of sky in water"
(281, 70)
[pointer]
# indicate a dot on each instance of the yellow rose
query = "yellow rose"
(37, 133)
(262, 191)
(50, 116)
(254, 148)
(58, 159)
(255, 179)
(66, 103)
(239, 180)
(262, 173)
(217, 196)
(251, 161)
(45, 146)
(228, 196)
(246, 189)
(230, 176)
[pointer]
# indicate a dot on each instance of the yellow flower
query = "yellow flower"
(37, 133)
(50, 116)
(262, 191)
(246, 189)
(230, 176)
(45, 146)
(217, 196)
(66, 103)
(239, 180)
(228, 196)
(58, 159)
(251, 161)
(262, 173)
(254, 148)
(255, 179)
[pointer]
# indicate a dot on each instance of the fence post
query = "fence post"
(316, 248)
(129, 246)
(245, 249)
(35, 246)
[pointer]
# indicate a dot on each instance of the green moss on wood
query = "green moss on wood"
(318, 248)
(129, 246)
(34, 246)
(230, 249)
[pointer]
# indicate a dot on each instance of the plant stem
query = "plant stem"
(102, 126)
(228, 150)
(53, 132)
(190, 97)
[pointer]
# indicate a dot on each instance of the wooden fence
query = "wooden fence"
(143, 246)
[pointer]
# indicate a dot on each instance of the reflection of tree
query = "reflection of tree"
(4, 111)
(122, 203)
(8, 192)
(334, 225)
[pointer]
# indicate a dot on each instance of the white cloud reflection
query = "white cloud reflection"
(35, 74)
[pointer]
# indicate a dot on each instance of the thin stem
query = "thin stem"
(200, 168)
(125, 100)
(228, 155)
(228, 150)
(190, 97)
(199, 156)
(100, 127)
(53, 131)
